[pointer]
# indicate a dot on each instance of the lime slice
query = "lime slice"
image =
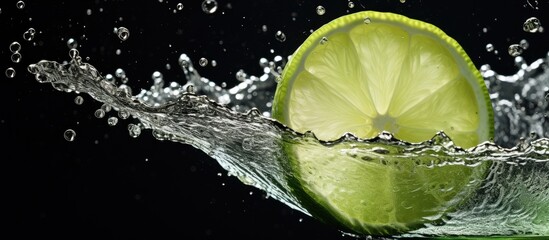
(369, 72)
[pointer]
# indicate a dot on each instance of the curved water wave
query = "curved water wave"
(512, 199)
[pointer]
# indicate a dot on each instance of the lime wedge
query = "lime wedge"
(369, 72)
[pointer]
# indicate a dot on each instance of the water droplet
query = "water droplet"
(16, 57)
(264, 28)
(280, 36)
(20, 5)
(32, 68)
(184, 61)
(158, 79)
(73, 53)
(489, 47)
(203, 62)
(320, 10)
(531, 25)
(323, 40)
(367, 20)
(105, 107)
(88, 12)
(134, 130)
(524, 44)
(69, 135)
(10, 72)
(71, 43)
(15, 47)
(240, 75)
(209, 6)
(28, 35)
(402, 1)
(112, 121)
(190, 89)
(119, 73)
(99, 113)
(78, 100)
(515, 50)
(123, 114)
(214, 63)
(32, 31)
(123, 33)
(351, 4)
(179, 6)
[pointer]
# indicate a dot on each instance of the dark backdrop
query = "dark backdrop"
(108, 185)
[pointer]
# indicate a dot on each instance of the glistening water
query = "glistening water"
(251, 146)
(231, 125)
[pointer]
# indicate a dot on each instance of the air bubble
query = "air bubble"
(320, 10)
(10, 72)
(402, 1)
(515, 50)
(280, 36)
(123, 33)
(20, 5)
(323, 40)
(69, 135)
(71, 43)
(179, 6)
(531, 25)
(367, 20)
(264, 28)
(16, 57)
(15, 47)
(78, 100)
(203, 62)
(209, 6)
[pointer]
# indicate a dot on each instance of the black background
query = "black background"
(108, 185)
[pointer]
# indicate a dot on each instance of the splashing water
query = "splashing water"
(232, 126)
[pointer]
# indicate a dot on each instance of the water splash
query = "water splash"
(232, 126)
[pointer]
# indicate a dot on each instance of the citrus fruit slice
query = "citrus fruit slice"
(369, 72)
